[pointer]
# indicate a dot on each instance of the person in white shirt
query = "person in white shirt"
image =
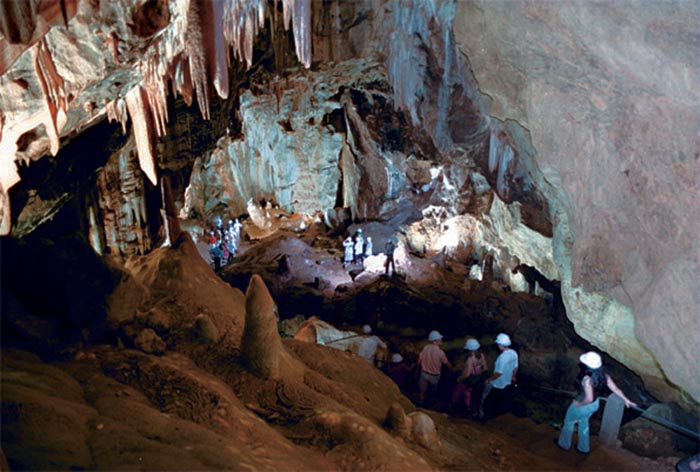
(498, 391)
(369, 345)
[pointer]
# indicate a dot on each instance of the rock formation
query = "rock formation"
(528, 129)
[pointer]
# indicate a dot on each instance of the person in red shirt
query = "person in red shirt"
(430, 362)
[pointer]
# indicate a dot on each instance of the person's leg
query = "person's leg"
(484, 400)
(422, 388)
(457, 394)
(431, 395)
(567, 429)
(583, 426)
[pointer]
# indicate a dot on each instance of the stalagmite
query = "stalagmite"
(171, 222)
(143, 131)
(261, 347)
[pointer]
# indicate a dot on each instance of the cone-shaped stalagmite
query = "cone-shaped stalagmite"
(261, 347)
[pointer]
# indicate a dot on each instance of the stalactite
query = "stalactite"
(302, 31)
(116, 111)
(221, 64)
(155, 88)
(196, 54)
(136, 102)
(54, 93)
(182, 80)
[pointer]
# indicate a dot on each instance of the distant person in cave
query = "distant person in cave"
(589, 382)
(472, 377)
(430, 362)
(368, 247)
(216, 254)
(230, 245)
(236, 230)
(359, 247)
(369, 345)
(498, 388)
(389, 248)
(219, 225)
(349, 247)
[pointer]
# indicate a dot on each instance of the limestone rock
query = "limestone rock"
(148, 341)
(631, 242)
(397, 421)
(651, 439)
(205, 329)
(423, 430)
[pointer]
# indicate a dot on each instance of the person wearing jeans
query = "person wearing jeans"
(591, 379)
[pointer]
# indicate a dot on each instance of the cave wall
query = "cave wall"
(598, 104)
(608, 93)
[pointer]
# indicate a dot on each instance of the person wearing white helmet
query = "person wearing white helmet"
(472, 376)
(369, 345)
(496, 398)
(589, 383)
(430, 361)
(399, 371)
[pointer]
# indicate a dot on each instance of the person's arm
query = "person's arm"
(587, 392)
(616, 390)
(381, 343)
(496, 368)
(514, 378)
(445, 360)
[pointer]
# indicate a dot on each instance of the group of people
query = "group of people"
(357, 248)
(223, 242)
(475, 381)
(486, 394)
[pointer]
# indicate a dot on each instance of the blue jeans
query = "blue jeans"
(580, 415)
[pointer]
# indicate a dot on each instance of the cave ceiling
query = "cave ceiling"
(579, 120)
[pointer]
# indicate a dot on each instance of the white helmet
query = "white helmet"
(434, 336)
(396, 358)
(366, 329)
(591, 359)
(472, 344)
(503, 339)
